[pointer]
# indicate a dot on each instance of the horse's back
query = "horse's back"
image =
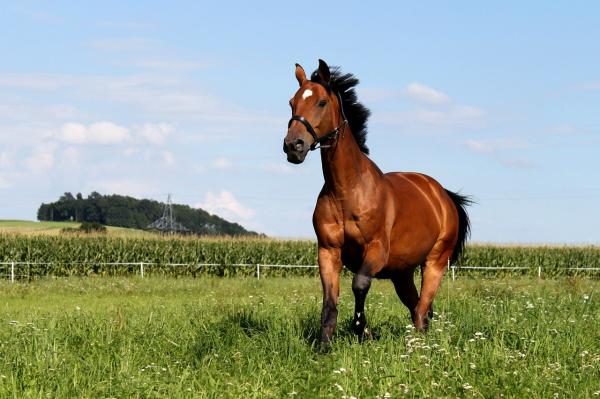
(418, 188)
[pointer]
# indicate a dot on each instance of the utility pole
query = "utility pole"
(167, 223)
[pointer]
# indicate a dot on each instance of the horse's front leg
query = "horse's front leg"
(374, 260)
(330, 266)
(360, 287)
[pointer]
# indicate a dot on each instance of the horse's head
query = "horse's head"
(315, 114)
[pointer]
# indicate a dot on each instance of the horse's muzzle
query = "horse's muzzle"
(296, 150)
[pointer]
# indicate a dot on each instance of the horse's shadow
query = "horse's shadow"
(236, 325)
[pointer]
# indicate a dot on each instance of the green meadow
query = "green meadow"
(211, 337)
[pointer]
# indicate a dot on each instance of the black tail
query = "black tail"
(464, 226)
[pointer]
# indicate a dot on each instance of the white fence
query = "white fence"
(13, 267)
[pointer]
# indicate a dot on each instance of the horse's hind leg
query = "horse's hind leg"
(433, 272)
(430, 311)
(360, 287)
(407, 291)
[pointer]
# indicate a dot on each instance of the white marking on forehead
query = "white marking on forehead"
(307, 93)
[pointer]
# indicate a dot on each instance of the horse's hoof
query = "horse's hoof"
(366, 335)
(325, 347)
(422, 328)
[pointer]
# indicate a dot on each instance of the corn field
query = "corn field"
(81, 255)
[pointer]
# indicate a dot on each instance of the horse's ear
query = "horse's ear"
(324, 72)
(300, 74)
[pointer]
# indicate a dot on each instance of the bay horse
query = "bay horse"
(377, 225)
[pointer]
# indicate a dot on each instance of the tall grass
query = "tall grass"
(231, 338)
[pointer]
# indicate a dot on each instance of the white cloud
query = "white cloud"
(69, 157)
(34, 81)
(95, 133)
(420, 92)
(496, 148)
(168, 64)
(155, 133)
(41, 158)
(222, 164)
(589, 86)
(374, 94)
(449, 118)
(168, 158)
(128, 152)
(227, 206)
(125, 44)
(494, 145)
(6, 160)
(520, 163)
(283, 169)
(3, 182)
(162, 95)
(482, 146)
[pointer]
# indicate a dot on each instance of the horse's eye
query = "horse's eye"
(322, 103)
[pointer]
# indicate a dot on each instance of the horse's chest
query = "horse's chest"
(354, 231)
(359, 228)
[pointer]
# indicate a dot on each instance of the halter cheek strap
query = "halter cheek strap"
(317, 141)
(306, 124)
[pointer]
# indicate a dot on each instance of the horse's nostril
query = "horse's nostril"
(299, 145)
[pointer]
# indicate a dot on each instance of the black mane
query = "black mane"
(356, 113)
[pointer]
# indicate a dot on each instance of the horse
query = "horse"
(378, 225)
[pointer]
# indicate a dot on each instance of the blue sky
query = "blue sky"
(499, 101)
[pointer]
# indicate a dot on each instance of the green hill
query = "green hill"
(123, 211)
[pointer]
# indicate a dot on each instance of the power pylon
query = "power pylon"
(167, 223)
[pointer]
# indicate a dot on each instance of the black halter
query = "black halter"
(326, 137)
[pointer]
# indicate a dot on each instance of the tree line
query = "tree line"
(124, 211)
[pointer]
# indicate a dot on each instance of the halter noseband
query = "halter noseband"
(326, 137)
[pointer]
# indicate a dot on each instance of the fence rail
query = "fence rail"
(143, 267)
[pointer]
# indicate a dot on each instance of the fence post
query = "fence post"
(12, 271)
(258, 271)
(142, 269)
(451, 267)
(539, 271)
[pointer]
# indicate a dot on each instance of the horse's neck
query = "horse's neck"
(345, 165)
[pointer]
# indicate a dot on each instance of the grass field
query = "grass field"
(55, 228)
(225, 337)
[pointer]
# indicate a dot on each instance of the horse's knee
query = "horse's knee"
(361, 283)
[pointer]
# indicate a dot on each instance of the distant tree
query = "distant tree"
(66, 197)
(124, 211)
(92, 227)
